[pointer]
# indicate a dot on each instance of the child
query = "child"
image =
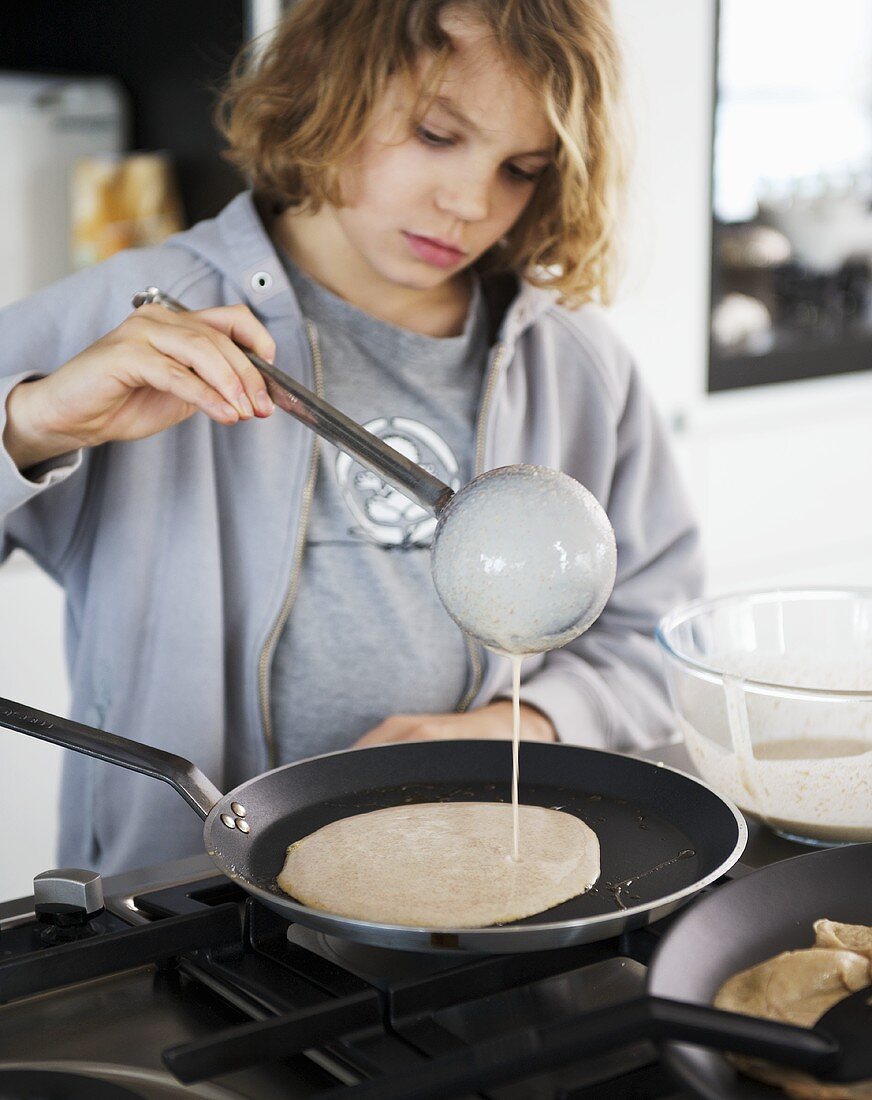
(434, 193)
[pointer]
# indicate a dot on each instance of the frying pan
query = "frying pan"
(742, 924)
(663, 834)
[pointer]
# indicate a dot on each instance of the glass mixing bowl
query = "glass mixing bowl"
(773, 693)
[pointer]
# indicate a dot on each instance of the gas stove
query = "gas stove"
(173, 982)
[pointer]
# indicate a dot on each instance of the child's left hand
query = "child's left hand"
(493, 722)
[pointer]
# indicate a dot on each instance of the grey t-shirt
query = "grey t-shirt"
(367, 636)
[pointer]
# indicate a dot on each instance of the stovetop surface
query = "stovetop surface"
(117, 1026)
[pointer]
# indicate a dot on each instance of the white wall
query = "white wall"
(662, 308)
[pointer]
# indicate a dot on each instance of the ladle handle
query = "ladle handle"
(333, 425)
(186, 777)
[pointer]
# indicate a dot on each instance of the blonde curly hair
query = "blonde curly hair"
(294, 112)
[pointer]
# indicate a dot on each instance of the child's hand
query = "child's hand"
(155, 370)
(493, 722)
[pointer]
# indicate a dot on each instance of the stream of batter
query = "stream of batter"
(516, 660)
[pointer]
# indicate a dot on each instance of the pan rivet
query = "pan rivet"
(238, 809)
(243, 826)
(229, 821)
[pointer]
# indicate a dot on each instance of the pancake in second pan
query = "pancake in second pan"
(442, 864)
(798, 987)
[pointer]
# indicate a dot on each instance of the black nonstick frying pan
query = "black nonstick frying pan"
(744, 923)
(663, 834)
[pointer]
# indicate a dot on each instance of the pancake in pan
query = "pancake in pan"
(442, 864)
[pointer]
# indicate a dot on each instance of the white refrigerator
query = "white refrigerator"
(46, 123)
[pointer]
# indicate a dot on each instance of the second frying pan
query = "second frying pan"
(663, 834)
(743, 924)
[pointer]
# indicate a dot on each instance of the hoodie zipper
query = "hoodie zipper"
(474, 648)
(294, 582)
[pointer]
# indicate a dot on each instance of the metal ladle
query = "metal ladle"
(523, 557)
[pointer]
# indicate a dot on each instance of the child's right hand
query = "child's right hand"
(155, 370)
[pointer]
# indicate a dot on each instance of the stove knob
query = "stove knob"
(67, 896)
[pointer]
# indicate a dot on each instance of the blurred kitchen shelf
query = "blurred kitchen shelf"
(793, 355)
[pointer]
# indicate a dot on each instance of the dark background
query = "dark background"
(170, 56)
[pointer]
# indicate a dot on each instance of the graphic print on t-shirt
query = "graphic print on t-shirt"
(383, 514)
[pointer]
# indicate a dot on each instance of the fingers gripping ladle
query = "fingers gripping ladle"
(523, 557)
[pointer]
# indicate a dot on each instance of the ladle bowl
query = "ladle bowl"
(523, 559)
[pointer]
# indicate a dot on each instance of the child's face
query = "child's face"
(462, 177)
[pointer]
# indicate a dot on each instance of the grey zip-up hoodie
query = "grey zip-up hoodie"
(179, 553)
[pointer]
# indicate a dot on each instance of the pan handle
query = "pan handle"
(531, 1050)
(187, 779)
